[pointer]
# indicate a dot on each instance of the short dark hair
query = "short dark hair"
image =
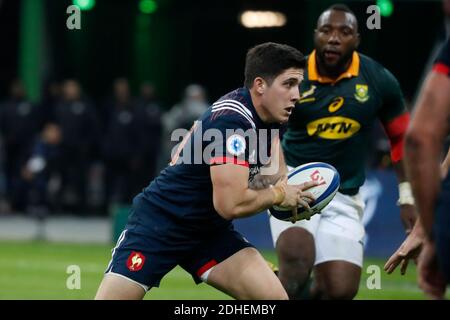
(340, 7)
(344, 8)
(268, 60)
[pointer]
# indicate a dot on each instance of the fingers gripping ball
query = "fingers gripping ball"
(328, 184)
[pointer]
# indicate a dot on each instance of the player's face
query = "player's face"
(280, 97)
(335, 39)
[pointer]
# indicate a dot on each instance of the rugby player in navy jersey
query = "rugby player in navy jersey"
(425, 140)
(184, 217)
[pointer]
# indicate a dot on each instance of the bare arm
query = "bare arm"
(276, 170)
(424, 141)
(407, 210)
(233, 198)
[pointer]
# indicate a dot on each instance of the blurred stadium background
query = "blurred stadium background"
(136, 70)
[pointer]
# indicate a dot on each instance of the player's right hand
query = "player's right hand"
(296, 195)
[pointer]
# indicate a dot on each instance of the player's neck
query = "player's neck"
(332, 73)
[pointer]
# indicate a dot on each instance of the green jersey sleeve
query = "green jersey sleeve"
(393, 102)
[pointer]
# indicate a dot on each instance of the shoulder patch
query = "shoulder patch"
(236, 145)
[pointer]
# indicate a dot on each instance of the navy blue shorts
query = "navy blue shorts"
(145, 253)
(441, 229)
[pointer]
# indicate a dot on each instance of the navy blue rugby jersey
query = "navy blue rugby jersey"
(184, 188)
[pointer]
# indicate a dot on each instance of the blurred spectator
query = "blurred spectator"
(42, 166)
(150, 132)
(50, 99)
(19, 122)
(183, 115)
(121, 146)
(79, 125)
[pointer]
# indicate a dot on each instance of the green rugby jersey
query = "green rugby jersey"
(333, 120)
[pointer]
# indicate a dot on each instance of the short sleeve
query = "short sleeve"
(393, 102)
(230, 139)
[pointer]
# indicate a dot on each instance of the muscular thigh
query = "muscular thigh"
(246, 275)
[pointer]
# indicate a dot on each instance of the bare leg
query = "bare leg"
(246, 275)
(114, 287)
(296, 255)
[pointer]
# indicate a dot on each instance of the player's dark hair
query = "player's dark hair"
(268, 60)
(340, 7)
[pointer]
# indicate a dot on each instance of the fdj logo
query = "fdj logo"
(334, 128)
(315, 176)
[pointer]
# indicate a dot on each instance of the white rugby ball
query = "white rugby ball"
(328, 179)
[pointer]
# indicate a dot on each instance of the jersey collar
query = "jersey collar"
(313, 74)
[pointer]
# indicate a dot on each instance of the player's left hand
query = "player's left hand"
(430, 279)
(408, 216)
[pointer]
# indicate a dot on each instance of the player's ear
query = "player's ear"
(260, 85)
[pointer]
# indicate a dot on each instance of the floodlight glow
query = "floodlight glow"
(262, 19)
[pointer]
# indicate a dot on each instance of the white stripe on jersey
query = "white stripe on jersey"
(234, 102)
(233, 108)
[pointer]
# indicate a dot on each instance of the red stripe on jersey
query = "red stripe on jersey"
(396, 130)
(441, 68)
(206, 267)
(224, 160)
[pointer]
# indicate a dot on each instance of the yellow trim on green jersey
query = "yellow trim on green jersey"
(313, 74)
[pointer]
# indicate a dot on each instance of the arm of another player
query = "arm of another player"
(424, 141)
(408, 213)
(395, 119)
(425, 138)
(233, 198)
(412, 246)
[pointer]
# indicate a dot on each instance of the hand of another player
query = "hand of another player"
(408, 216)
(430, 279)
(410, 249)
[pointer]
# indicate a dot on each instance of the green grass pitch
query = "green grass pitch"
(38, 270)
